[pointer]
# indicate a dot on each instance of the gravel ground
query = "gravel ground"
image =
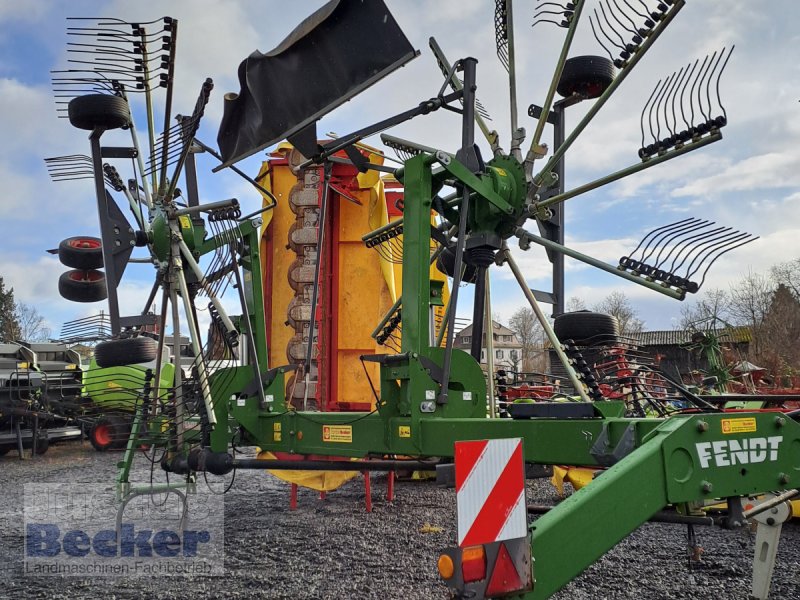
(334, 549)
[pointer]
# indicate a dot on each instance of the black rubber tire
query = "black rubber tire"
(587, 76)
(99, 110)
(585, 327)
(78, 285)
(110, 433)
(127, 351)
(446, 263)
(81, 252)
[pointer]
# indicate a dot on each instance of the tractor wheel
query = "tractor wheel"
(81, 253)
(83, 286)
(99, 110)
(127, 351)
(110, 433)
(446, 263)
(587, 76)
(585, 328)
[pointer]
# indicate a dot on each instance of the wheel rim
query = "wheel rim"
(102, 435)
(85, 276)
(84, 244)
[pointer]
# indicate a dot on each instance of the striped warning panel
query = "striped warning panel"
(490, 491)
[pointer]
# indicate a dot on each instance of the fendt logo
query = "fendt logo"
(727, 453)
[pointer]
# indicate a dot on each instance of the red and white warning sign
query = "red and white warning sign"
(490, 491)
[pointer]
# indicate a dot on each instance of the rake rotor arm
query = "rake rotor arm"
(534, 150)
(592, 185)
(525, 237)
(544, 177)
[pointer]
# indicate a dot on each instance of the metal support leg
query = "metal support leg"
(768, 534)
(548, 329)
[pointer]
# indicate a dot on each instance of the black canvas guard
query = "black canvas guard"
(337, 52)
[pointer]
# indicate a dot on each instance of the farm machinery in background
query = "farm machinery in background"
(304, 339)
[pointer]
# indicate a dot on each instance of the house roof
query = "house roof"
(499, 329)
(678, 337)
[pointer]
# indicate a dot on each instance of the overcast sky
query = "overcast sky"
(750, 180)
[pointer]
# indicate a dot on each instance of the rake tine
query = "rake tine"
(664, 233)
(661, 96)
(638, 32)
(674, 235)
(671, 94)
(644, 109)
(686, 245)
(719, 99)
(697, 78)
(682, 79)
(708, 83)
(707, 248)
(752, 238)
(603, 31)
(633, 8)
(501, 32)
(611, 25)
(657, 230)
(602, 45)
(683, 89)
(700, 87)
(636, 40)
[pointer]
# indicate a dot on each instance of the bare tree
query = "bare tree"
(788, 274)
(8, 320)
(530, 335)
(618, 305)
(710, 311)
(574, 304)
(31, 325)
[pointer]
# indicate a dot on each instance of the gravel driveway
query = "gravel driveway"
(334, 549)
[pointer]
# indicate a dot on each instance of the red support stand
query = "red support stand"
(368, 491)
(390, 488)
(323, 495)
(293, 497)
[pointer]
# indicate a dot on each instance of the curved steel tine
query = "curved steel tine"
(661, 98)
(694, 83)
(681, 85)
(751, 238)
(611, 26)
(621, 24)
(535, 23)
(658, 240)
(666, 241)
(659, 231)
(652, 107)
(635, 30)
(683, 89)
(644, 109)
(548, 12)
(687, 244)
(708, 84)
(706, 248)
(603, 31)
(501, 32)
(633, 8)
(719, 76)
(561, 6)
(672, 93)
(700, 87)
(594, 33)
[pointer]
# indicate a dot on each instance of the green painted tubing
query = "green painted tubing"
(522, 233)
(593, 110)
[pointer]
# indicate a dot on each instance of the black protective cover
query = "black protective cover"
(340, 50)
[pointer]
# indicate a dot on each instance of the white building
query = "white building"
(507, 349)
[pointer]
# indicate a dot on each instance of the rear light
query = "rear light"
(505, 577)
(446, 567)
(473, 564)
